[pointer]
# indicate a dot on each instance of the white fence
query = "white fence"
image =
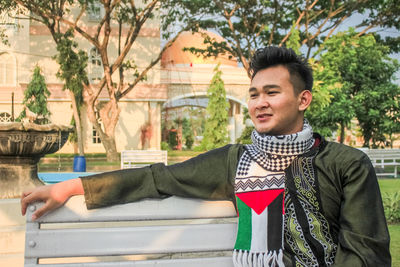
(383, 158)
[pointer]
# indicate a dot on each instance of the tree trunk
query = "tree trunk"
(109, 115)
(391, 138)
(78, 125)
(342, 132)
(111, 149)
(366, 140)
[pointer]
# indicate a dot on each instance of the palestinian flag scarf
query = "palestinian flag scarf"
(259, 189)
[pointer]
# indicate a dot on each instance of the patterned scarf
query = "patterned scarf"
(259, 188)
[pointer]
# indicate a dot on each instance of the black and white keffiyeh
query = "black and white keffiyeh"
(275, 153)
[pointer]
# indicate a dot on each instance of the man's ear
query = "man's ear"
(305, 98)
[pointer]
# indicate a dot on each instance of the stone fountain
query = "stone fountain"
(21, 147)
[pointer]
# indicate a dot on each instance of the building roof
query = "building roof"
(175, 55)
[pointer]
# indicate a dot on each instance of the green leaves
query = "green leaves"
(391, 205)
(73, 63)
(35, 99)
(216, 133)
(294, 40)
(365, 72)
(248, 25)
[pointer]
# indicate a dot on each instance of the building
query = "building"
(188, 76)
(179, 75)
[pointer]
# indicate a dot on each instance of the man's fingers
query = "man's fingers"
(25, 200)
(41, 211)
(26, 193)
(48, 206)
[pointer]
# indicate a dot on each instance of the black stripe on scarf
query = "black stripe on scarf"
(275, 221)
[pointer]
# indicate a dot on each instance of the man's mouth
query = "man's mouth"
(261, 116)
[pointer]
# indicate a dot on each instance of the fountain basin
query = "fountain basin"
(21, 147)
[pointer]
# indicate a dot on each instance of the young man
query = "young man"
(302, 201)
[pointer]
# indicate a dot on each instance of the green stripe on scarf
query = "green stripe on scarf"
(243, 240)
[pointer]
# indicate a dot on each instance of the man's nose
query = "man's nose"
(262, 102)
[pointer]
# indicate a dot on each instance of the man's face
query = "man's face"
(274, 107)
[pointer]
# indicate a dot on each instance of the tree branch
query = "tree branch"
(297, 24)
(135, 33)
(228, 16)
(152, 63)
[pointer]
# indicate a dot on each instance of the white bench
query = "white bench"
(380, 158)
(170, 232)
(141, 158)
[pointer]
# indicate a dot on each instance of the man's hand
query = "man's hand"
(53, 195)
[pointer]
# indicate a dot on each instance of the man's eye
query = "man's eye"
(253, 95)
(272, 92)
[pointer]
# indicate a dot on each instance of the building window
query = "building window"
(7, 69)
(9, 22)
(95, 66)
(5, 117)
(96, 137)
(95, 11)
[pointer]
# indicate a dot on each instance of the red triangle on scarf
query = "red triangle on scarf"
(259, 200)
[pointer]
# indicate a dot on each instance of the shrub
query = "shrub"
(189, 141)
(245, 137)
(391, 205)
(173, 138)
(165, 146)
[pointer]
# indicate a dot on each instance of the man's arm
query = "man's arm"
(208, 176)
(363, 233)
(53, 195)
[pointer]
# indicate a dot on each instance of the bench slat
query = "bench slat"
(141, 158)
(131, 240)
(151, 209)
(195, 262)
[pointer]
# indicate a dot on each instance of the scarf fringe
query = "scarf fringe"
(244, 258)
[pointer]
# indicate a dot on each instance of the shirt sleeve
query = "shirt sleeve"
(207, 176)
(363, 234)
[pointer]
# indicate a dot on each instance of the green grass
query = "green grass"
(72, 155)
(394, 231)
(389, 185)
(96, 162)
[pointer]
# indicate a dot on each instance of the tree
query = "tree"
(187, 131)
(365, 72)
(248, 25)
(324, 82)
(216, 126)
(61, 15)
(35, 99)
(329, 107)
(301, 25)
(73, 72)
